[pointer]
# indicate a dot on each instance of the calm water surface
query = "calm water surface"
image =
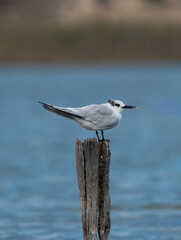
(38, 186)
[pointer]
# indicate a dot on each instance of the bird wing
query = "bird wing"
(68, 113)
(100, 115)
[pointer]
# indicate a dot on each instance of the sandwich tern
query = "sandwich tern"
(96, 117)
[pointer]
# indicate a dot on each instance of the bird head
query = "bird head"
(119, 105)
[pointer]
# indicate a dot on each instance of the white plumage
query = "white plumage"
(95, 116)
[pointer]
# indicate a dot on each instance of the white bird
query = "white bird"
(95, 116)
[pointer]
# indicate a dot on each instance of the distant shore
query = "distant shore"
(86, 30)
(99, 41)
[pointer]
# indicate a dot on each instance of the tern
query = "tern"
(98, 117)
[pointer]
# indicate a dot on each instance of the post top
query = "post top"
(93, 140)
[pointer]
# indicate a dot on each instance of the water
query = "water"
(38, 186)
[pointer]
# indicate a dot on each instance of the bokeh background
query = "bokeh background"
(73, 53)
(92, 30)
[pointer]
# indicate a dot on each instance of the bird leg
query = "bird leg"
(97, 136)
(103, 139)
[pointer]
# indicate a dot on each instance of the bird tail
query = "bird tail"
(61, 111)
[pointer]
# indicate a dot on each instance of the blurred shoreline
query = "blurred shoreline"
(69, 31)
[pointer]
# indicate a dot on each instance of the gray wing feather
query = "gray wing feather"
(61, 111)
(100, 115)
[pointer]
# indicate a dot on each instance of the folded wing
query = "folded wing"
(61, 111)
(100, 115)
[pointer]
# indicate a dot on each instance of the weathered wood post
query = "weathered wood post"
(93, 163)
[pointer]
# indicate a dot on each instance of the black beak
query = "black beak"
(129, 107)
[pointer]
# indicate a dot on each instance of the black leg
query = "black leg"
(102, 135)
(97, 136)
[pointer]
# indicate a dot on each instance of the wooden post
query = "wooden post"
(93, 163)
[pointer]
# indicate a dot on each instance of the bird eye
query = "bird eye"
(117, 104)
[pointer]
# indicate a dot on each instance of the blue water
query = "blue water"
(39, 196)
